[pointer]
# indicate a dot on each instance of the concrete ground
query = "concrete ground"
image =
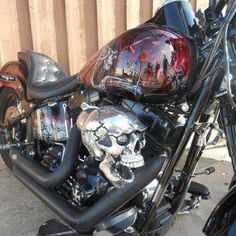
(22, 213)
(218, 182)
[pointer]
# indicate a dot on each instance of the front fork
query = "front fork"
(228, 120)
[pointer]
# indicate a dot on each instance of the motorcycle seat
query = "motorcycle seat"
(45, 78)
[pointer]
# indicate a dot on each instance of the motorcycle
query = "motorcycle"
(100, 148)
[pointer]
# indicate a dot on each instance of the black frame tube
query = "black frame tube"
(227, 115)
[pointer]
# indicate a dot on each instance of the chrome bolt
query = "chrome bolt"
(184, 106)
(31, 153)
(129, 230)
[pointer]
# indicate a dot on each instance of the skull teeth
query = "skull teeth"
(130, 180)
(134, 164)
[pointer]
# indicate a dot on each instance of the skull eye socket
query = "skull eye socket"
(137, 147)
(123, 139)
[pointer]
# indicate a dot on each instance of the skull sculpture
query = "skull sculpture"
(115, 137)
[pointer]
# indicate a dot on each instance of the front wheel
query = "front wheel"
(8, 111)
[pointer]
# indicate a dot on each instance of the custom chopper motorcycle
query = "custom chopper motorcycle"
(100, 148)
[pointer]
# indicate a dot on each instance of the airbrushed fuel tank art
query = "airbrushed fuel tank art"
(150, 62)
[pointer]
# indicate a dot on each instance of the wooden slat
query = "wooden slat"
(76, 38)
(43, 27)
(106, 21)
(120, 16)
(133, 13)
(156, 5)
(194, 4)
(82, 32)
(61, 33)
(145, 10)
(23, 17)
(111, 18)
(91, 30)
(48, 29)
(9, 33)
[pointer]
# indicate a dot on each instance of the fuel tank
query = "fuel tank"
(150, 62)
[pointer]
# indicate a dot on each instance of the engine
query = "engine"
(85, 186)
(117, 139)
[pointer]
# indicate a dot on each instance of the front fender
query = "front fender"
(222, 220)
(13, 75)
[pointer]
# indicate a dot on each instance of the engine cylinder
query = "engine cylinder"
(51, 123)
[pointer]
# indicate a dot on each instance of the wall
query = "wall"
(69, 31)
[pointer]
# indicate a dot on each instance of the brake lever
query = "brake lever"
(208, 171)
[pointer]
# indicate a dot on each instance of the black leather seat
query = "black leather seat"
(45, 79)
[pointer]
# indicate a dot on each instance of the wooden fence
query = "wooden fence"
(69, 31)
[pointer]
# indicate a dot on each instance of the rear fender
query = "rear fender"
(13, 75)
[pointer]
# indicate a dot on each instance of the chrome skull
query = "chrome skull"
(115, 137)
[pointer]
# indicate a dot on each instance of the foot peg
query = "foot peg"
(207, 171)
(199, 190)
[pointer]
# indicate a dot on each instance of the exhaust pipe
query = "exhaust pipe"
(41, 175)
(85, 221)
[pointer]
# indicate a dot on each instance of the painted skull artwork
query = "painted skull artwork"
(115, 137)
(143, 61)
